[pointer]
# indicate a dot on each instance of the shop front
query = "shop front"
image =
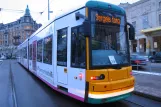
(153, 42)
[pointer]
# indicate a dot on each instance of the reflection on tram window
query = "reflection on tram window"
(25, 52)
(30, 52)
(47, 50)
(39, 51)
(62, 47)
(78, 48)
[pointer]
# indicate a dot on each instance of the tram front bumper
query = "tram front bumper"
(102, 97)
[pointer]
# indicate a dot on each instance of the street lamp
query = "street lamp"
(49, 11)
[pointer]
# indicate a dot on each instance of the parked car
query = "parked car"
(3, 57)
(137, 60)
(155, 58)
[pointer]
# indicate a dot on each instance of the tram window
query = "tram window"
(22, 53)
(77, 47)
(62, 47)
(25, 52)
(39, 51)
(47, 50)
(30, 52)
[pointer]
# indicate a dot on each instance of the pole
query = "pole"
(48, 11)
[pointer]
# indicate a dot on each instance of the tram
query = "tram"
(83, 53)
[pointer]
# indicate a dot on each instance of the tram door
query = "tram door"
(34, 56)
(62, 71)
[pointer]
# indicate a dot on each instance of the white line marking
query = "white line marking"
(149, 73)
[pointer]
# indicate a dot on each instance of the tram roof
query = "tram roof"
(90, 4)
(105, 6)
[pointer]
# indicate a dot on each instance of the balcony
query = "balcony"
(16, 40)
(16, 37)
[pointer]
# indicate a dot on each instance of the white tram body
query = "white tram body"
(47, 54)
(53, 74)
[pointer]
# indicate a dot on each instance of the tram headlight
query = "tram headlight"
(101, 77)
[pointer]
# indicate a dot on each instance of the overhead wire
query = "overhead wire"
(22, 11)
(11, 10)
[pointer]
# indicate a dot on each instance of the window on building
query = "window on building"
(62, 47)
(134, 24)
(77, 47)
(30, 52)
(145, 21)
(28, 27)
(160, 20)
(39, 50)
(160, 4)
(47, 50)
(27, 20)
(5, 36)
(5, 42)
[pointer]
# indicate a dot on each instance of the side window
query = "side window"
(62, 47)
(22, 53)
(145, 21)
(77, 47)
(39, 50)
(47, 50)
(25, 52)
(30, 51)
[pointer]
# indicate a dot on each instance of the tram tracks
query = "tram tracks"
(133, 103)
(14, 101)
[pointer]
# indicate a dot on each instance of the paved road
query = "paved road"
(148, 83)
(31, 92)
(5, 85)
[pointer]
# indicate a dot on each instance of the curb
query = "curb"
(147, 96)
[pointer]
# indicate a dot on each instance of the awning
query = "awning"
(151, 31)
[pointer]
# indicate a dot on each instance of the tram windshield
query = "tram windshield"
(109, 44)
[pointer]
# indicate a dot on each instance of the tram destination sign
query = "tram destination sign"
(107, 19)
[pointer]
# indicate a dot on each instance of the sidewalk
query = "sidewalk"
(148, 84)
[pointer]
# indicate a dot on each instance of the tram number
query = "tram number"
(112, 59)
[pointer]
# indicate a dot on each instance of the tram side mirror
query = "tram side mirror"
(87, 28)
(78, 15)
(131, 31)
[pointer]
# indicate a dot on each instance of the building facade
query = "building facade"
(14, 33)
(145, 16)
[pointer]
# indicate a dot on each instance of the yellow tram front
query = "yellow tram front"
(109, 73)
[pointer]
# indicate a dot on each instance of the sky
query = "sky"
(14, 9)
